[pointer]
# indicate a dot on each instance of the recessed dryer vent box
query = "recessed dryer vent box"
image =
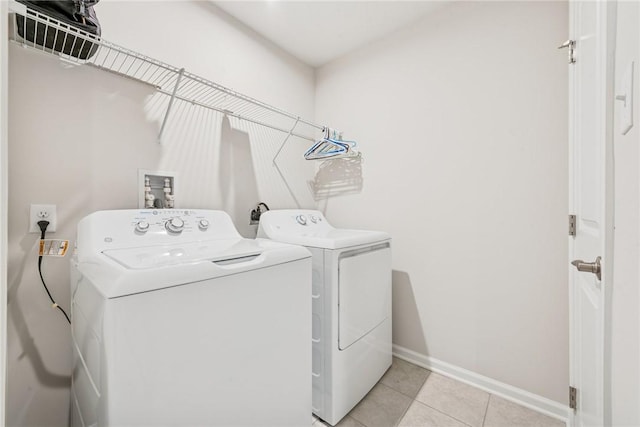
(156, 189)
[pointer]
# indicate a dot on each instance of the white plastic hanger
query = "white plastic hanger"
(331, 147)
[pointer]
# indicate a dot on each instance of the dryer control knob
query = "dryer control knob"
(302, 220)
(174, 225)
(314, 219)
(142, 226)
(203, 224)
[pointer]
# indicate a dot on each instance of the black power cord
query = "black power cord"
(43, 228)
(255, 213)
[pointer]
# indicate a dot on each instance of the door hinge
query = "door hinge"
(571, 45)
(572, 225)
(573, 398)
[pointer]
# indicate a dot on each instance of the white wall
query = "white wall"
(78, 137)
(625, 313)
(462, 119)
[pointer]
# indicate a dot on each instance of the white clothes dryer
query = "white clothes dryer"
(351, 307)
(179, 321)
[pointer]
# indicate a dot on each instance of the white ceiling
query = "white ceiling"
(317, 32)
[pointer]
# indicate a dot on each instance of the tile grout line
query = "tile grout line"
(486, 410)
(444, 413)
(405, 394)
(438, 410)
(349, 414)
(404, 412)
(413, 398)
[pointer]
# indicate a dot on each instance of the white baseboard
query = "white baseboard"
(506, 391)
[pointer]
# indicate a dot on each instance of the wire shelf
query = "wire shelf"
(62, 40)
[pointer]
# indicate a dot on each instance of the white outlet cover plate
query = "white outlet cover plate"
(40, 212)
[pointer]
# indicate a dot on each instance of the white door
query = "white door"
(590, 147)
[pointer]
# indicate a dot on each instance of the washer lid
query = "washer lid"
(122, 272)
(218, 251)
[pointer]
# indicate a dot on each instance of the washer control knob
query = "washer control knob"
(174, 225)
(313, 218)
(302, 220)
(142, 226)
(203, 224)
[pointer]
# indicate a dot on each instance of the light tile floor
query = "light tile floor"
(410, 396)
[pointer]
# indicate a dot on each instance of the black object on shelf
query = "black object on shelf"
(78, 24)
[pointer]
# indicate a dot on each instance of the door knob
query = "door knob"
(589, 267)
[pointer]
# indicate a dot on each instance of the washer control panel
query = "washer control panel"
(132, 228)
(173, 222)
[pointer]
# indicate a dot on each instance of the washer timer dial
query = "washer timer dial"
(174, 225)
(142, 226)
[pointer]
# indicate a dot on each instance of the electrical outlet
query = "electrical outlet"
(42, 213)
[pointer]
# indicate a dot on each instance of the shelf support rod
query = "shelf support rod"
(173, 97)
(285, 141)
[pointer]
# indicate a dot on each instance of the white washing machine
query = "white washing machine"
(351, 296)
(179, 321)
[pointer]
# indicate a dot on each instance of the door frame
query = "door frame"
(606, 108)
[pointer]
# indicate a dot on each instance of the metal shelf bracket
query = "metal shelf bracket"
(171, 100)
